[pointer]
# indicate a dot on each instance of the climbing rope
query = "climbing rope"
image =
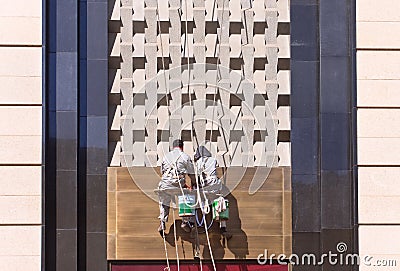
(208, 238)
(167, 102)
(217, 73)
(192, 115)
(211, 134)
(205, 209)
(165, 248)
(163, 64)
(193, 144)
(175, 239)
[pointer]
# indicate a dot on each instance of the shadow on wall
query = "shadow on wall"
(237, 245)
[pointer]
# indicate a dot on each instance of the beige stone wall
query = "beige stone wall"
(20, 134)
(378, 128)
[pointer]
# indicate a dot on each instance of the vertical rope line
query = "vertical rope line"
(188, 67)
(165, 248)
(175, 239)
(166, 98)
(212, 124)
(192, 112)
(192, 138)
(163, 64)
(217, 73)
(206, 228)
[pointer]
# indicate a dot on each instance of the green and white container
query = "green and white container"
(224, 215)
(186, 205)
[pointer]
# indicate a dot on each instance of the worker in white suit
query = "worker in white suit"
(175, 166)
(206, 167)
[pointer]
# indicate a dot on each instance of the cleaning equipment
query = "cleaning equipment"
(220, 209)
(186, 203)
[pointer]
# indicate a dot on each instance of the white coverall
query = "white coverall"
(176, 164)
(207, 172)
(206, 167)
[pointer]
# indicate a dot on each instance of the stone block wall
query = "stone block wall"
(234, 95)
(21, 134)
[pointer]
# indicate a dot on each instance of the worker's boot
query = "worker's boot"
(161, 229)
(225, 233)
(196, 255)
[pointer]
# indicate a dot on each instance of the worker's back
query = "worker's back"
(207, 170)
(176, 164)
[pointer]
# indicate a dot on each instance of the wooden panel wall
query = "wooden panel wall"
(258, 222)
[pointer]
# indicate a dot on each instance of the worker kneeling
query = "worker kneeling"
(174, 168)
(206, 167)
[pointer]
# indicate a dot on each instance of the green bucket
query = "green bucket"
(224, 215)
(186, 204)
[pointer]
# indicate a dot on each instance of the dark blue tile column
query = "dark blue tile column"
(93, 120)
(76, 135)
(61, 136)
(322, 84)
(305, 80)
(337, 70)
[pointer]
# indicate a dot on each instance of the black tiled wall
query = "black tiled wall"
(61, 136)
(322, 78)
(94, 132)
(76, 137)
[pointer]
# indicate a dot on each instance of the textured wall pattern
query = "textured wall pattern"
(231, 103)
